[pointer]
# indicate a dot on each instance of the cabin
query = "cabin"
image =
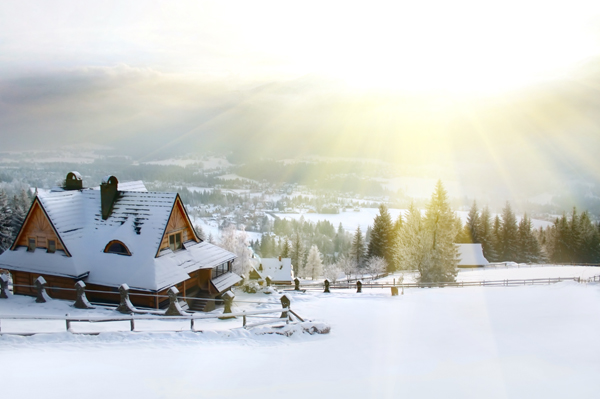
(113, 234)
(471, 255)
(279, 269)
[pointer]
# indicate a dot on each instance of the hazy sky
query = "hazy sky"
(494, 82)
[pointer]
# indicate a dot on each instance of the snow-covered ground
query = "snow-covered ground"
(351, 220)
(517, 272)
(519, 342)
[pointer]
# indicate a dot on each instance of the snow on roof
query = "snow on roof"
(138, 220)
(136, 185)
(279, 270)
(471, 255)
(225, 281)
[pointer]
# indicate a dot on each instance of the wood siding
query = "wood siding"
(37, 226)
(178, 222)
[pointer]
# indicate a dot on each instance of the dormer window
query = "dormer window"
(175, 241)
(117, 247)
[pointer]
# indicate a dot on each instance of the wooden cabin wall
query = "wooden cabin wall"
(37, 225)
(178, 222)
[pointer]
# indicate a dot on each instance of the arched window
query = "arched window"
(117, 247)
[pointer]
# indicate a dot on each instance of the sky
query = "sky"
(510, 85)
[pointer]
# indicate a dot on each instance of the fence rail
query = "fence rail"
(284, 318)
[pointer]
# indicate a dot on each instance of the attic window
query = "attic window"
(51, 246)
(117, 247)
(175, 241)
(31, 244)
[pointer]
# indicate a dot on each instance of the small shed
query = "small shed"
(279, 269)
(471, 255)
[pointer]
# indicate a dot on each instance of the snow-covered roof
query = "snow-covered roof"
(225, 281)
(279, 270)
(138, 220)
(471, 255)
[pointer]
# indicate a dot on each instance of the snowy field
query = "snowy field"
(519, 342)
(520, 272)
(351, 220)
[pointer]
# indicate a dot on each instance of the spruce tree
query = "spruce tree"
(528, 248)
(485, 234)
(285, 250)
(441, 255)
(382, 243)
(357, 250)
(314, 265)
(508, 245)
(471, 229)
(297, 253)
(410, 240)
(6, 229)
(590, 240)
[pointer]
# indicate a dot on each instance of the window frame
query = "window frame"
(111, 243)
(29, 241)
(174, 245)
(220, 270)
(51, 246)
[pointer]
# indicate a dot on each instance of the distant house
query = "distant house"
(113, 234)
(471, 255)
(279, 269)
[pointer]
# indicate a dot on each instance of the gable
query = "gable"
(37, 225)
(178, 222)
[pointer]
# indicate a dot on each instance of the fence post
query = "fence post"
(268, 280)
(285, 303)
(174, 306)
(394, 291)
(40, 285)
(296, 284)
(4, 286)
(244, 319)
(402, 289)
(227, 297)
(81, 302)
(132, 323)
(326, 284)
(125, 306)
(358, 286)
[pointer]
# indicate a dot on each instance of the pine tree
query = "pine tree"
(440, 258)
(314, 265)
(382, 237)
(297, 253)
(471, 229)
(410, 240)
(590, 240)
(6, 229)
(528, 248)
(508, 245)
(485, 234)
(357, 250)
(285, 249)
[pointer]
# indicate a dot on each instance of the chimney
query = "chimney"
(280, 258)
(108, 195)
(73, 181)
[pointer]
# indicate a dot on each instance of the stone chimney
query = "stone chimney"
(108, 195)
(73, 181)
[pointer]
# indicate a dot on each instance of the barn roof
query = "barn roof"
(138, 219)
(471, 255)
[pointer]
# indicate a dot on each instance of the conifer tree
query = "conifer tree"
(314, 265)
(440, 258)
(485, 234)
(297, 253)
(528, 248)
(471, 229)
(357, 250)
(382, 242)
(6, 229)
(507, 240)
(285, 249)
(410, 240)
(590, 240)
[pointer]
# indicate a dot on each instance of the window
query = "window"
(31, 244)
(117, 247)
(51, 246)
(220, 270)
(175, 241)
